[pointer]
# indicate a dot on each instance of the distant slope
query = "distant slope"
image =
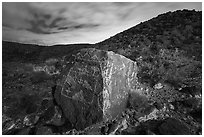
(179, 29)
(167, 48)
(19, 52)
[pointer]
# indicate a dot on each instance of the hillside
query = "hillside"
(163, 46)
(180, 30)
(167, 55)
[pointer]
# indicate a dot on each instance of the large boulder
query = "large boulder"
(95, 86)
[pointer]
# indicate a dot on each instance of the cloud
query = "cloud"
(54, 23)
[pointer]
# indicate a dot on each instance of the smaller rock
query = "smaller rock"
(124, 124)
(171, 106)
(158, 86)
(71, 132)
(30, 119)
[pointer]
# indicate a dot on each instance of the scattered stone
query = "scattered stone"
(31, 119)
(171, 106)
(94, 84)
(158, 86)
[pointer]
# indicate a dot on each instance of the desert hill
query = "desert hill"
(166, 52)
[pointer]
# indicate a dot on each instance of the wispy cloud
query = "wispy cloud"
(53, 23)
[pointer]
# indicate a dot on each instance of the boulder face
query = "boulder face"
(119, 77)
(95, 86)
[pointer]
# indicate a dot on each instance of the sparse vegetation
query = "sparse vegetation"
(168, 51)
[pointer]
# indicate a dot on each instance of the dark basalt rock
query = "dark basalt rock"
(95, 86)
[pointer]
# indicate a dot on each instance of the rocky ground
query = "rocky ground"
(165, 100)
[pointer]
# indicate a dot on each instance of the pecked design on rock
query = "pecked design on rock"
(94, 86)
(119, 77)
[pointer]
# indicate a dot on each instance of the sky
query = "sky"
(80, 22)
